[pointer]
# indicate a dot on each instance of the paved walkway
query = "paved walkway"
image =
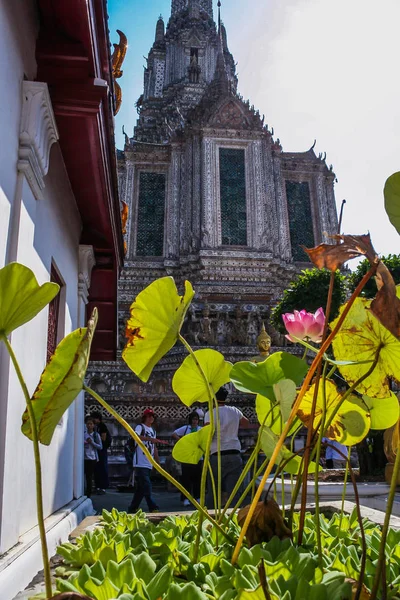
(167, 501)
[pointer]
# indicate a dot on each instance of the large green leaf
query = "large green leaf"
(152, 330)
(360, 337)
(191, 447)
(269, 441)
(259, 378)
(391, 193)
(188, 382)
(274, 414)
(384, 412)
(60, 382)
(21, 297)
(351, 423)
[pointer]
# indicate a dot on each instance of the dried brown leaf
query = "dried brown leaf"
(266, 522)
(365, 595)
(333, 256)
(386, 305)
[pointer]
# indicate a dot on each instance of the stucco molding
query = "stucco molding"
(86, 264)
(38, 132)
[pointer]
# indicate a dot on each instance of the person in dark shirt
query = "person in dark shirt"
(101, 469)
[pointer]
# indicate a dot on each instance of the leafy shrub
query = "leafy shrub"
(392, 261)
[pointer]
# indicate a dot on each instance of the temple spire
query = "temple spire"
(178, 6)
(160, 30)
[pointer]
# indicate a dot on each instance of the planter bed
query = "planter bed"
(243, 577)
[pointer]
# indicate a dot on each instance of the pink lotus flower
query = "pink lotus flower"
(304, 325)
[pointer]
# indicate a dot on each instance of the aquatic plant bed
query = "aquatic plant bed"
(132, 557)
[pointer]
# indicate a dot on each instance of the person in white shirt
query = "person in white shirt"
(92, 443)
(231, 418)
(335, 459)
(141, 464)
(191, 474)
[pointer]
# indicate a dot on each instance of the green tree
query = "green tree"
(392, 261)
(310, 291)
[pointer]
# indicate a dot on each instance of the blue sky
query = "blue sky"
(324, 69)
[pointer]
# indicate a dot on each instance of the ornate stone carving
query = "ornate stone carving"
(38, 132)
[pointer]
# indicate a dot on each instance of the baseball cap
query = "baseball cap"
(148, 412)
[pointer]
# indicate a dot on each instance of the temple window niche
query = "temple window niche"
(300, 218)
(232, 179)
(151, 208)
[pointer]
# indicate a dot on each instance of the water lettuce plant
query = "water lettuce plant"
(209, 555)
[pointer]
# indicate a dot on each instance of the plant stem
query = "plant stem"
(210, 394)
(346, 473)
(218, 503)
(385, 528)
(239, 482)
(311, 427)
(38, 469)
(154, 464)
(247, 489)
(317, 459)
(296, 406)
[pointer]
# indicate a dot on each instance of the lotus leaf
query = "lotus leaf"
(384, 412)
(60, 382)
(259, 378)
(269, 441)
(351, 423)
(270, 413)
(191, 447)
(188, 383)
(152, 330)
(362, 336)
(391, 193)
(21, 297)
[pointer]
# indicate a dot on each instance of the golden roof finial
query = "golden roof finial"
(117, 60)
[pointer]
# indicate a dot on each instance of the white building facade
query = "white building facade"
(43, 226)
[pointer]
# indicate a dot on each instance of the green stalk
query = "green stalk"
(385, 528)
(38, 469)
(214, 489)
(218, 503)
(155, 464)
(311, 427)
(208, 445)
(317, 458)
(344, 488)
(324, 346)
(240, 480)
(247, 489)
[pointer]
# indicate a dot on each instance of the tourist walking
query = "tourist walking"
(191, 474)
(142, 466)
(101, 468)
(231, 418)
(92, 445)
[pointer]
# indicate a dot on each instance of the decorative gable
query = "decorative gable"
(229, 115)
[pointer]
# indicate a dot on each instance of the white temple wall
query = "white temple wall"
(45, 227)
(19, 27)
